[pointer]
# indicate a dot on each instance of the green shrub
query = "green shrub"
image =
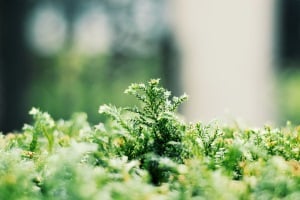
(148, 152)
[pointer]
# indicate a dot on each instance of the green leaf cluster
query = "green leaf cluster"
(148, 152)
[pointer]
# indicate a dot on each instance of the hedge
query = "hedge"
(148, 152)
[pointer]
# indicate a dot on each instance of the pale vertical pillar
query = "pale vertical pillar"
(227, 57)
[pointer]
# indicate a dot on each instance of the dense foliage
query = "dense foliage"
(148, 152)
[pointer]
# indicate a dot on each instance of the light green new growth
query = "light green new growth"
(147, 152)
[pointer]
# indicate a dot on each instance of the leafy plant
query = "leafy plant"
(153, 128)
(148, 152)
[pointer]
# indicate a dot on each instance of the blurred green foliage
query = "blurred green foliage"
(74, 160)
(289, 96)
(74, 83)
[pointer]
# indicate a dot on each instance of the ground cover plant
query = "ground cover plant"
(148, 152)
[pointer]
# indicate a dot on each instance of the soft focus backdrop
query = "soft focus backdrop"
(234, 60)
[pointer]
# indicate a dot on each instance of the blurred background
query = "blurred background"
(235, 60)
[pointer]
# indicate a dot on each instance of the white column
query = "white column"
(227, 49)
